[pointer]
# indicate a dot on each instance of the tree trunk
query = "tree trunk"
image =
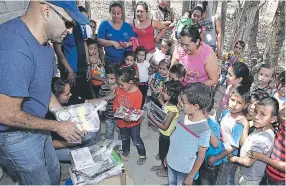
(253, 42)
(277, 36)
(212, 6)
(123, 10)
(223, 19)
(88, 8)
(185, 6)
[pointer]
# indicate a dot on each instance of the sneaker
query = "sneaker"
(141, 160)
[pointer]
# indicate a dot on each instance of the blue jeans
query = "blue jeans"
(110, 126)
(175, 177)
(134, 133)
(30, 157)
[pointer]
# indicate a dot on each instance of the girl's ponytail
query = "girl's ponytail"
(241, 70)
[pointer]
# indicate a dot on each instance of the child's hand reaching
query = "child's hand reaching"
(212, 160)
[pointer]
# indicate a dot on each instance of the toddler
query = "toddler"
(129, 60)
(96, 67)
(129, 96)
(177, 72)
(279, 92)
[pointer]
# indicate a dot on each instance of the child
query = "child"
(279, 93)
(143, 66)
(276, 165)
(129, 96)
(184, 21)
(170, 93)
(250, 171)
(209, 172)
(129, 60)
(255, 97)
(110, 85)
(238, 75)
(231, 132)
(158, 80)
(190, 140)
(265, 76)
(196, 16)
(96, 68)
(177, 72)
(230, 59)
(165, 47)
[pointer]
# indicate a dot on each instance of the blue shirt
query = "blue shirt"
(70, 48)
(27, 68)
(234, 133)
(107, 32)
(184, 146)
(215, 128)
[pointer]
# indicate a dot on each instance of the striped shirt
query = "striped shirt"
(105, 90)
(278, 153)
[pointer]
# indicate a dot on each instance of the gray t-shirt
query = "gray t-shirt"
(184, 145)
(209, 24)
(257, 141)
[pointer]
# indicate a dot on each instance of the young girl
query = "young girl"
(97, 71)
(230, 58)
(129, 96)
(158, 80)
(129, 60)
(170, 92)
(231, 132)
(279, 92)
(143, 66)
(238, 75)
(265, 76)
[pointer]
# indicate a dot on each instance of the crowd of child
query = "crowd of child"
(244, 138)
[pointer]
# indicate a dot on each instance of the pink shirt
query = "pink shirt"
(195, 65)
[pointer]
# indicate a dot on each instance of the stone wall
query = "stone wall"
(12, 9)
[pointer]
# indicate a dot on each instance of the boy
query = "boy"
(104, 90)
(177, 72)
(264, 79)
(209, 172)
(190, 140)
(250, 171)
(255, 97)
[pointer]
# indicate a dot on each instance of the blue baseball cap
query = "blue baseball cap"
(72, 10)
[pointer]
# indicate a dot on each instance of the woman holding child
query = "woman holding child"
(114, 35)
(198, 58)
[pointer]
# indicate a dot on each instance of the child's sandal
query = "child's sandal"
(141, 161)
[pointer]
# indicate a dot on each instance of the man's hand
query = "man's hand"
(72, 78)
(69, 131)
(188, 181)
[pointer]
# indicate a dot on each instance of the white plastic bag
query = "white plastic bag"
(84, 115)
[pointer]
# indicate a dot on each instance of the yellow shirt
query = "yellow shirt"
(170, 108)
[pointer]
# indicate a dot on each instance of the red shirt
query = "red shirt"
(278, 153)
(128, 100)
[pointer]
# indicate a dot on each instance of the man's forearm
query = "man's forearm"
(20, 119)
